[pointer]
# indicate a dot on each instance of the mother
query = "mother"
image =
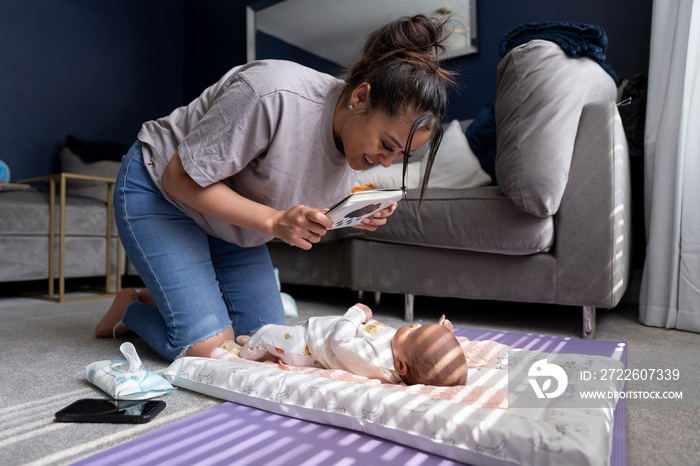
(257, 156)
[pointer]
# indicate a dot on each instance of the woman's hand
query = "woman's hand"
(379, 218)
(300, 226)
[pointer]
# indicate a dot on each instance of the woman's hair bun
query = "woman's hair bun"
(410, 35)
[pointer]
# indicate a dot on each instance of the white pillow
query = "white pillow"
(455, 166)
(390, 177)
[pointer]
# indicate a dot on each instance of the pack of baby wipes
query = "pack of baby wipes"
(127, 380)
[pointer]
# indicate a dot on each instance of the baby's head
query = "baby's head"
(429, 355)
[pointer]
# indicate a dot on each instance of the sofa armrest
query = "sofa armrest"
(593, 225)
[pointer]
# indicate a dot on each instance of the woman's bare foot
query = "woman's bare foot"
(146, 297)
(106, 327)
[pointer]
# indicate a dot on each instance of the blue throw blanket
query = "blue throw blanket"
(481, 135)
(575, 39)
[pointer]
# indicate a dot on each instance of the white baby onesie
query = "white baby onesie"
(330, 342)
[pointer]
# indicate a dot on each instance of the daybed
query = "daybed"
(555, 229)
(25, 220)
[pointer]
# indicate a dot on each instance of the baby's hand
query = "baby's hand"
(368, 312)
(446, 323)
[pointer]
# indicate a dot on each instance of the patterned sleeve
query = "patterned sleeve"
(355, 353)
(345, 331)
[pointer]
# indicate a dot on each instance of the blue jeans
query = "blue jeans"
(202, 285)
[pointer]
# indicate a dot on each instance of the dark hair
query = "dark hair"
(400, 62)
(439, 362)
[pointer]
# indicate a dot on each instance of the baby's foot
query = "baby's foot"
(110, 325)
(242, 339)
(231, 347)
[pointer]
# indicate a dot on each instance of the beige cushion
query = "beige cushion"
(72, 163)
(479, 219)
(541, 92)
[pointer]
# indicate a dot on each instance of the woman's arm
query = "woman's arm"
(293, 226)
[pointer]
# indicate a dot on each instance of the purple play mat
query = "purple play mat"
(235, 434)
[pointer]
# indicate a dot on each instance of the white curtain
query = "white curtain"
(670, 293)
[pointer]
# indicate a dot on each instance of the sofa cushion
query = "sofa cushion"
(26, 213)
(475, 219)
(541, 92)
(26, 257)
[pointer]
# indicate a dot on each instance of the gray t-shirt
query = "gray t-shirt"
(265, 130)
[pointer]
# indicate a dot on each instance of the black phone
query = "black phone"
(103, 410)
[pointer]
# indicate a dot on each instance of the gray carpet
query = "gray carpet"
(45, 347)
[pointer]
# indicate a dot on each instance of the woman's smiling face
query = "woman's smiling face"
(372, 138)
(376, 139)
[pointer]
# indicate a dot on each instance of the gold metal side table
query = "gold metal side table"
(62, 178)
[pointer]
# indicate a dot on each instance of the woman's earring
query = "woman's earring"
(350, 107)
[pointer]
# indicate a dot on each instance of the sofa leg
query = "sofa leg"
(408, 307)
(589, 322)
(377, 297)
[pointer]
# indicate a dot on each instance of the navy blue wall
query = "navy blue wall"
(98, 69)
(94, 69)
(214, 42)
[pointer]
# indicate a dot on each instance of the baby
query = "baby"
(416, 354)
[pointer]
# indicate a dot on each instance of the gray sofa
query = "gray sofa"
(472, 243)
(558, 234)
